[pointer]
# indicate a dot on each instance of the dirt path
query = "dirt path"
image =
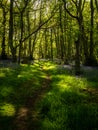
(27, 117)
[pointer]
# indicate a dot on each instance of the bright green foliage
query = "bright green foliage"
(70, 103)
(17, 84)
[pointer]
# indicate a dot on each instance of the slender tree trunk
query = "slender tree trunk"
(29, 31)
(33, 46)
(80, 36)
(21, 37)
(91, 56)
(3, 53)
(51, 41)
(61, 33)
(13, 49)
(57, 42)
(77, 57)
(83, 39)
(69, 56)
(65, 39)
(46, 44)
(96, 3)
(91, 31)
(41, 55)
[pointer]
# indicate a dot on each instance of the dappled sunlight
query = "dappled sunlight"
(6, 91)
(62, 86)
(69, 83)
(25, 75)
(2, 74)
(70, 98)
(29, 72)
(7, 109)
(69, 104)
(49, 67)
(43, 77)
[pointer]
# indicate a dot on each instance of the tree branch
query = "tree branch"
(37, 29)
(83, 5)
(96, 3)
(68, 10)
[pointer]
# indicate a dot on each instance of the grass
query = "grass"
(70, 104)
(17, 84)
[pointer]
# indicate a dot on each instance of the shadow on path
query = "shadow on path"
(27, 117)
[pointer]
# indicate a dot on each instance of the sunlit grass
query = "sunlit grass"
(17, 84)
(7, 110)
(69, 104)
(5, 91)
(2, 74)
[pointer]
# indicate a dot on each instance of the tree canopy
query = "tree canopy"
(63, 29)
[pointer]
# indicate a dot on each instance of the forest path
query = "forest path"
(27, 117)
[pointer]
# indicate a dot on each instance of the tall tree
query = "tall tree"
(11, 32)
(81, 39)
(61, 32)
(4, 13)
(51, 42)
(91, 33)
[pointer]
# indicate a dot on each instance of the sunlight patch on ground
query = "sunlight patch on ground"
(25, 75)
(62, 86)
(5, 91)
(5, 69)
(69, 83)
(7, 110)
(48, 67)
(43, 76)
(2, 74)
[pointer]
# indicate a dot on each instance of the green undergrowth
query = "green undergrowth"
(17, 85)
(72, 103)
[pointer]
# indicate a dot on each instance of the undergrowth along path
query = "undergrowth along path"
(27, 117)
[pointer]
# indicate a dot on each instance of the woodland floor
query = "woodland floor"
(27, 117)
(24, 119)
(78, 101)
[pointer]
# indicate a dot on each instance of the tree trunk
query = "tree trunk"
(21, 37)
(91, 31)
(29, 31)
(56, 31)
(77, 57)
(61, 32)
(3, 53)
(13, 49)
(46, 44)
(96, 3)
(51, 41)
(92, 60)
